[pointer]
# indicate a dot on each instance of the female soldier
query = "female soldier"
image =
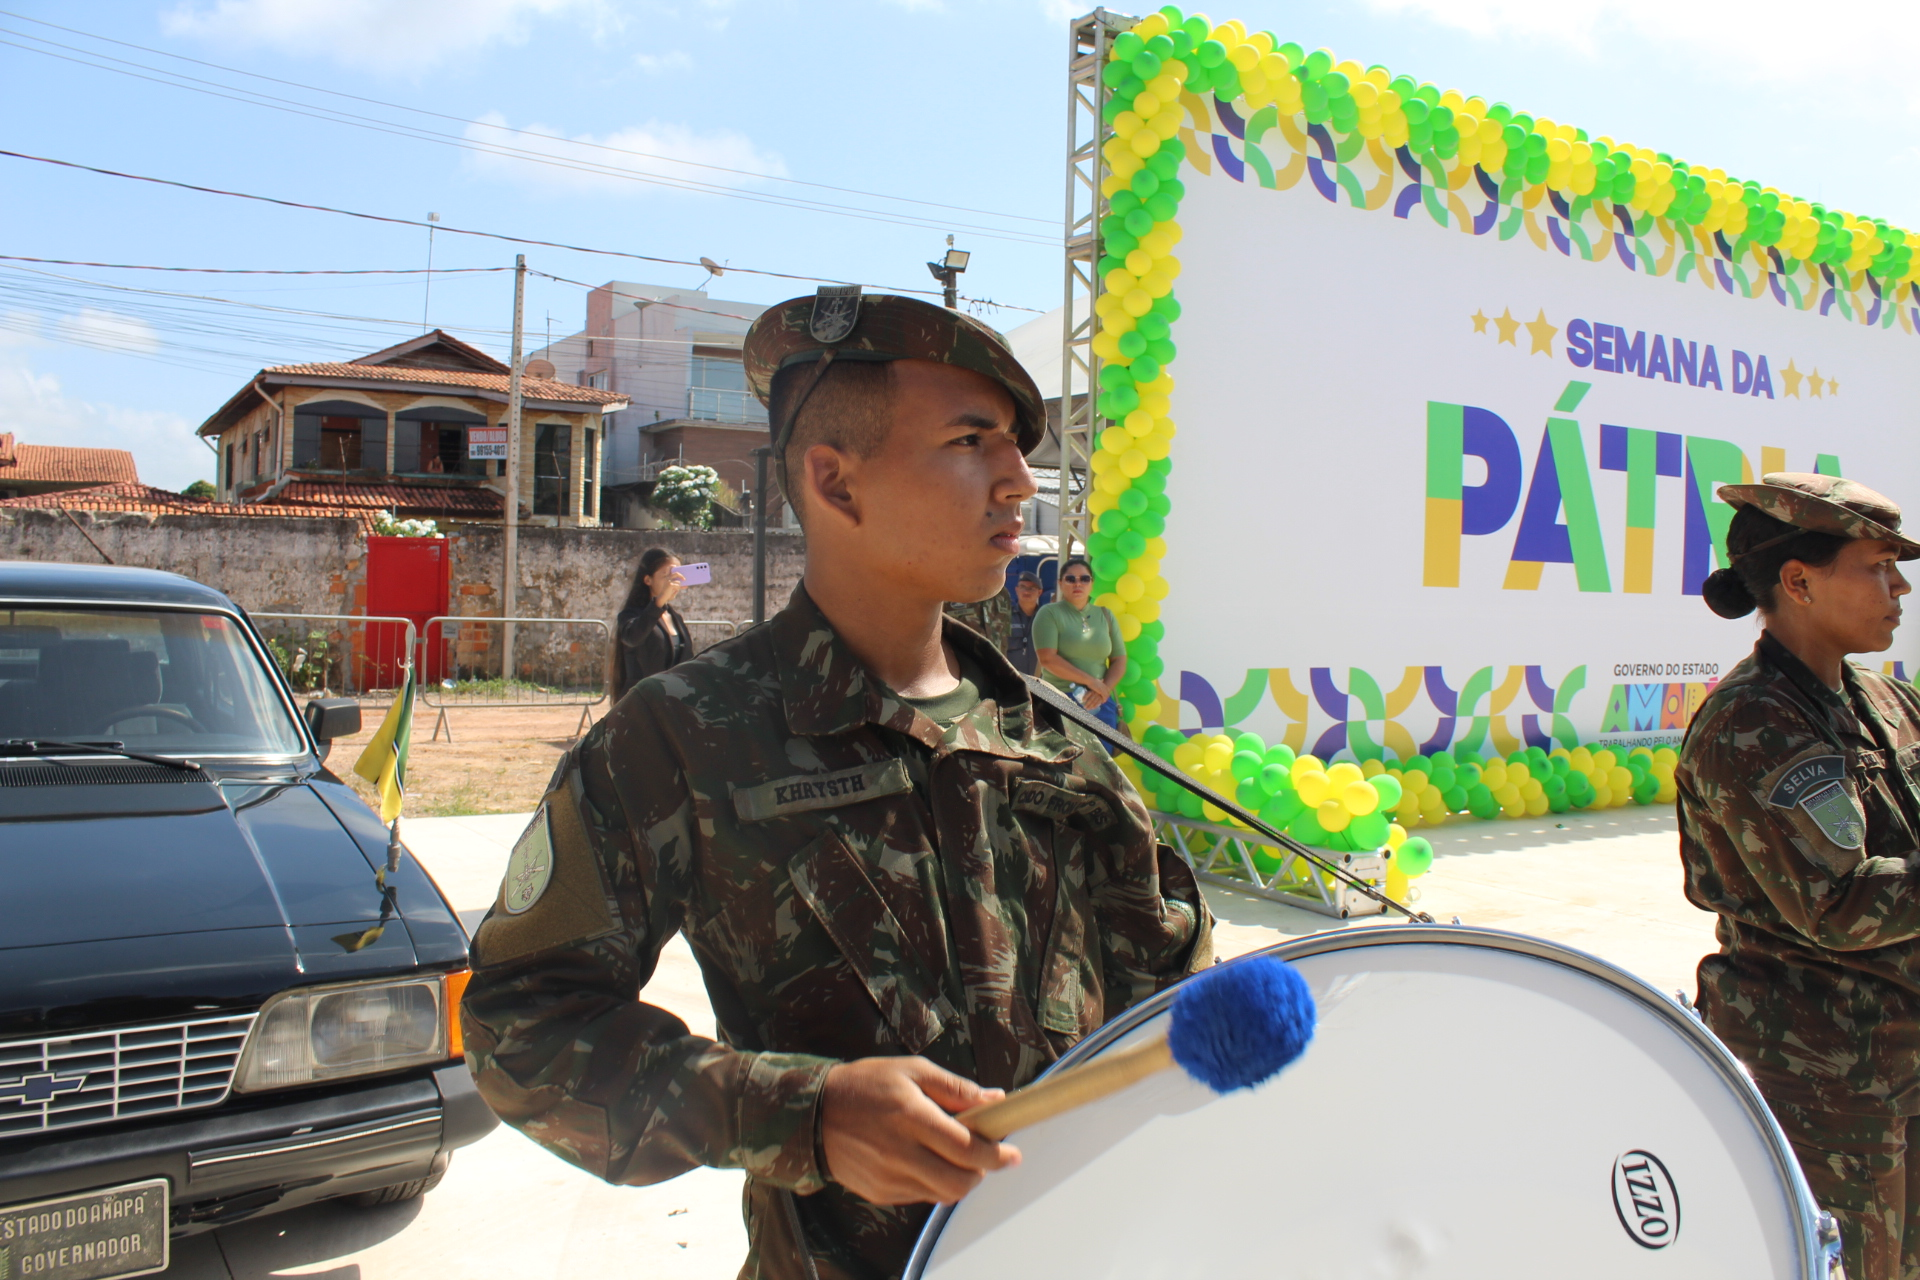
(1800, 826)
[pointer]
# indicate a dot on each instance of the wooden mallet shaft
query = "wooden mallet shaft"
(1074, 1087)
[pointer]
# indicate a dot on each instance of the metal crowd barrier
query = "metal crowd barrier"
(1231, 857)
(338, 654)
(733, 629)
(558, 662)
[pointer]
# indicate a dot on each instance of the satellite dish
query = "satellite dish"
(713, 267)
(539, 369)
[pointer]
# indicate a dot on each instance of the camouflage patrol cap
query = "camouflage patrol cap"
(1823, 504)
(880, 327)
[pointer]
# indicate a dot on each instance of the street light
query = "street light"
(947, 272)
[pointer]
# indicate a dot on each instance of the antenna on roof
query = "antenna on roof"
(713, 269)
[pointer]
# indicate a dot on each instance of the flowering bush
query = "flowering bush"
(387, 526)
(686, 493)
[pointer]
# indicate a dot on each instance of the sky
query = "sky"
(689, 130)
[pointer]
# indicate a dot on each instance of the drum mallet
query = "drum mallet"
(1232, 1027)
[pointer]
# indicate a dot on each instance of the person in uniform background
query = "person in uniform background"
(1078, 644)
(649, 635)
(1800, 827)
(908, 886)
(1026, 603)
(992, 617)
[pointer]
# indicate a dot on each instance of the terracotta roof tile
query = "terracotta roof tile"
(531, 388)
(59, 464)
(133, 496)
(400, 498)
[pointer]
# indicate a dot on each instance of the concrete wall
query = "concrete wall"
(289, 565)
(266, 563)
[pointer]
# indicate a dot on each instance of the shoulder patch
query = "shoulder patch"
(1837, 814)
(530, 867)
(805, 792)
(1806, 777)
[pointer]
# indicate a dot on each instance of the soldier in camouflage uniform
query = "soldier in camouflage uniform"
(900, 902)
(1799, 785)
(992, 618)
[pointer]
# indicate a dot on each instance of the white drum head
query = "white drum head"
(1475, 1105)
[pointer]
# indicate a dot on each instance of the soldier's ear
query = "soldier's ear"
(827, 483)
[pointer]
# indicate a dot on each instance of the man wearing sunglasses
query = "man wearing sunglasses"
(908, 885)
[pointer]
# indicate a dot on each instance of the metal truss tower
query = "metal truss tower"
(1086, 170)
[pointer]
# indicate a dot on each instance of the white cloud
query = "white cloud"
(380, 35)
(1864, 44)
(109, 331)
(654, 63)
(38, 410)
(671, 141)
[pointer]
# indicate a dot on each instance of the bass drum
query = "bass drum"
(1475, 1105)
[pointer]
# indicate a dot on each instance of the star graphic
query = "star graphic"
(1479, 319)
(1791, 376)
(1833, 387)
(1508, 326)
(1542, 334)
(1814, 383)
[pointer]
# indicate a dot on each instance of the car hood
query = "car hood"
(138, 897)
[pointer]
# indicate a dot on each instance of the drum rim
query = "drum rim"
(1681, 1016)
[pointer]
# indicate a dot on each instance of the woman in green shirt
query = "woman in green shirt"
(1078, 644)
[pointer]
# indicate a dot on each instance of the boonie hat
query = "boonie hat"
(1822, 504)
(839, 323)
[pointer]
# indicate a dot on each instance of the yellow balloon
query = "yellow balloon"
(1140, 301)
(1396, 836)
(1187, 753)
(1602, 798)
(1581, 759)
(1508, 795)
(1219, 755)
(1129, 587)
(1495, 776)
(1359, 798)
(1605, 760)
(1212, 814)
(1129, 626)
(1536, 806)
(1518, 809)
(1517, 773)
(1332, 815)
(1145, 608)
(1531, 788)
(1373, 769)
(1312, 786)
(1157, 548)
(1620, 779)
(1143, 142)
(1146, 102)
(1133, 463)
(1139, 262)
(1138, 423)
(1343, 773)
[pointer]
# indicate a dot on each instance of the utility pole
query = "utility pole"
(760, 457)
(510, 587)
(947, 272)
(428, 300)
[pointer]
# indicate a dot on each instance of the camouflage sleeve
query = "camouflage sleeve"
(1155, 927)
(1812, 868)
(556, 1039)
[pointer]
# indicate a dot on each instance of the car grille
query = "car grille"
(63, 1082)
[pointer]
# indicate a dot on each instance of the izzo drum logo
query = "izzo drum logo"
(1645, 1199)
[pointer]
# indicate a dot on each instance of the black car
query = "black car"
(221, 993)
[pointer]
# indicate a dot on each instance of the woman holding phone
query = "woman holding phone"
(649, 635)
(1078, 646)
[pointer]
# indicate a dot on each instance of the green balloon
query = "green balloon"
(1413, 857)
(1306, 828)
(1250, 795)
(1145, 369)
(1133, 502)
(1278, 754)
(1148, 524)
(1368, 831)
(1112, 522)
(1146, 64)
(1109, 567)
(1274, 779)
(1189, 804)
(1132, 344)
(1456, 799)
(1282, 809)
(1389, 788)
(1144, 184)
(1244, 765)
(1130, 545)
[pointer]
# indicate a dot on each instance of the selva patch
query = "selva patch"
(1818, 786)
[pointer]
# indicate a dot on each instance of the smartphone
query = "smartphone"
(696, 575)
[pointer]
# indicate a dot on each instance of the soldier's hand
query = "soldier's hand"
(889, 1138)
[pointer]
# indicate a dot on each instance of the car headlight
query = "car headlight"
(314, 1034)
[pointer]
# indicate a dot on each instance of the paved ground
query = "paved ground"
(1606, 883)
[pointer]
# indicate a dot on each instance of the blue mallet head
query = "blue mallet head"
(1239, 1024)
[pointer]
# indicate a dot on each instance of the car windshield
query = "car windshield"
(160, 680)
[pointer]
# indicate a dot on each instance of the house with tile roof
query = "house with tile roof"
(29, 470)
(418, 429)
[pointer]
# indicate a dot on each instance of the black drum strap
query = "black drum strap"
(1073, 711)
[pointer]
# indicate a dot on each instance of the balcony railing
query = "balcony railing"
(712, 404)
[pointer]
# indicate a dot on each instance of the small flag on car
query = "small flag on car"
(384, 762)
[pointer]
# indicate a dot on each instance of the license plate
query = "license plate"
(96, 1235)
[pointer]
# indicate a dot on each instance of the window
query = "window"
(230, 477)
(588, 490)
(339, 444)
(552, 468)
(717, 391)
(337, 435)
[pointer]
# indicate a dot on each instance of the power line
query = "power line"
(462, 231)
(335, 116)
(438, 115)
(246, 271)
